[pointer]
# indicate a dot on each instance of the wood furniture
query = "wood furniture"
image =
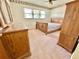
(16, 43)
(70, 27)
(3, 53)
(43, 26)
(57, 20)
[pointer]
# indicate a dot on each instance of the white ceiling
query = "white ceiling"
(44, 3)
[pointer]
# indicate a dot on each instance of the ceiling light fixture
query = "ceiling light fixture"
(50, 1)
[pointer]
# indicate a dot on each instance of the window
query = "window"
(29, 13)
(36, 13)
(42, 14)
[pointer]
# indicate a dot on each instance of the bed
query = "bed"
(48, 27)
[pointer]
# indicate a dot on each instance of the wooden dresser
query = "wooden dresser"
(3, 53)
(16, 43)
(70, 28)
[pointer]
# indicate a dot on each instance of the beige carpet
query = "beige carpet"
(45, 46)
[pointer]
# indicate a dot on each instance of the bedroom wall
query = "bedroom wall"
(58, 12)
(18, 16)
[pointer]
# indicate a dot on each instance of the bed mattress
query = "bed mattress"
(53, 26)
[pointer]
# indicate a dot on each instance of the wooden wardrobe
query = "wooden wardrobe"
(70, 28)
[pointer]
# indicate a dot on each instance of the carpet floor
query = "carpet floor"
(45, 46)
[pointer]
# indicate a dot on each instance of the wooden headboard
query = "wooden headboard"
(57, 20)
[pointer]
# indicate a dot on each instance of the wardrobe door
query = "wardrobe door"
(67, 41)
(68, 20)
(75, 29)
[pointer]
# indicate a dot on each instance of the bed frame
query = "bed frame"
(44, 27)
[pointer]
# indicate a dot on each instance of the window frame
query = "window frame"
(34, 14)
(42, 14)
(27, 13)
